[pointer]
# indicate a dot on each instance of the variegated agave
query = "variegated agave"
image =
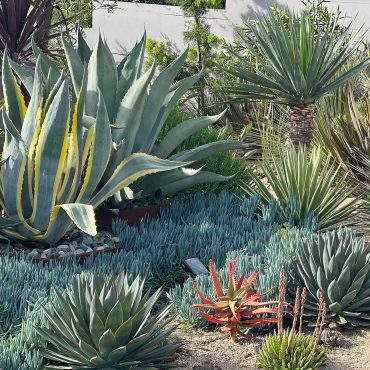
(54, 157)
(138, 105)
(106, 324)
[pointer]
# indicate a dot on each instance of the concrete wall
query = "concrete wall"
(123, 27)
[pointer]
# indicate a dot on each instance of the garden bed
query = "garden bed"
(213, 350)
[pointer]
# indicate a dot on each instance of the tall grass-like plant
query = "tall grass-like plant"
(307, 186)
(295, 67)
(348, 140)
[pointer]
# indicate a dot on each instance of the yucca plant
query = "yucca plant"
(294, 66)
(138, 105)
(54, 159)
(348, 138)
(239, 307)
(338, 265)
(106, 324)
(23, 21)
(289, 349)
(306, 184)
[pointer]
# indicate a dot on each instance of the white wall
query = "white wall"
(123, 27)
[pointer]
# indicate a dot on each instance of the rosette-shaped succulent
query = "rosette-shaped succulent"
(338, 264)
(106, 324)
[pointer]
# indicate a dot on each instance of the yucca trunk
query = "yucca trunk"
(301, 125)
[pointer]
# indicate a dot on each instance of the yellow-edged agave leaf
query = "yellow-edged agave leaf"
(64, 216)
(131, 169)
(206, 150)
(99, 153)
(102, 75)
(50, 157)
(13, 169)
(130, 111)
(75, 150)
(34, 106)
(15, 105)
(26, 75)
(48, 66)
(75, 65)
(182, 131)
(202, 177)
(12, 173)
(129, 69)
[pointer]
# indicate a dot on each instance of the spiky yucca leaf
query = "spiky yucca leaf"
(307, 181)
(294, 66)
(106, 323)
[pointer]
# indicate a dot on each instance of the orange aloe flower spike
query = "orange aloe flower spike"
(216, 282)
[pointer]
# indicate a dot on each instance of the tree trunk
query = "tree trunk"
(301, 125)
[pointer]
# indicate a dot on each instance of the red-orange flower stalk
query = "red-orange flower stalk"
(239, 306)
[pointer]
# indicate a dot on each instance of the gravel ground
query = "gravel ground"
(212, 350)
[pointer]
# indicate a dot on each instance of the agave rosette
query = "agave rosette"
(106, 324)
(138, 103)
(239, 307)
(55, 158)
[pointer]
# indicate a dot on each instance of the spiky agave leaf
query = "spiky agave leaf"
(55, 162)
(138, 105)
(106, 323)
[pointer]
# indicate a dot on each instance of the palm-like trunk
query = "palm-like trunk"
(301, 125)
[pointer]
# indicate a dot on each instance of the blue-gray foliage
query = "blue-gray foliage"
(220, 227)
(279, 253)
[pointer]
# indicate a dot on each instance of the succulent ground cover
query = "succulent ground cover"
(84, 134)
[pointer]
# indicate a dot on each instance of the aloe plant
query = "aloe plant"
(138, 105)
(54, 159)
(106, 324)
(239, 306)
